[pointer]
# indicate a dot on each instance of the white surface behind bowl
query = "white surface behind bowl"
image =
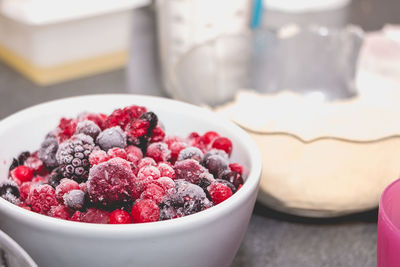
(208, 238)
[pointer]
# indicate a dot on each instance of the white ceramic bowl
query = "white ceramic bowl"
(209, 238)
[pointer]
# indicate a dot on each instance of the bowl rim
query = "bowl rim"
(143, 229)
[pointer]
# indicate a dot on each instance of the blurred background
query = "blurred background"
(205, 52)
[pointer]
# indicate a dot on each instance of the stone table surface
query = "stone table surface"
(272, 239)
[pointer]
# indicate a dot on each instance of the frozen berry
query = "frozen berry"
(136, 111)
(170, 139)
(9, 187)
(89, 128)
(167, 184)
(77, 216)
(145, 210)
(94, 117)
(191, 153)
(110, 183)
(36, 165)
(119, 217)
(227, 183)
(47, 151)
(222, 143)
(55, 177)
(73, 156)
(61, 212)
(153, 192)
(112, 137)
(189, 170)
(205, 180)
(216, 164)
(65, 129)
(151, 118)
(233, 177)
(157, 135)
(24, 190)
(146, 161)
(176, 148)
(219, 192)
(134, 154)
(74, 199)
(236, 167)
(119, 117)
(208, 137)
(23, 156)
(93, 215)
(14, 164)
(11, 198)
(117, 152)
(22, 174)
(41, 198)
(98, 156)
(218, 152)
(64, 187)
(166, 170)
(158, 151)
(149, 171)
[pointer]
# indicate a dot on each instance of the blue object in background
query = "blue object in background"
(256, 17)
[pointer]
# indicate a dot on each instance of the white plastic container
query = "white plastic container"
(51, 41)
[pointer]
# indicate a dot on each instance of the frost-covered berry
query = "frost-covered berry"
(119, 217)
(233, 177)
(134, 154)
(74, 199)
(98, 156)
(89, 128)
(191, 153)
(73, 156)
(94, 215)
(218, 152)
(64, 187)
(145, 210)
(222, 143)
(110, 183)
(149, 171)
(167, 184)
(41, 198)
(158, 151)
(216, 164)
(208, 137)
(219, 192)
(48, 149)
(236, 167)
(189, 170)
(117, 152)
(146, 161)
(9, 187)
(61, 212)
(111, 137)
(153, 192)
(166, 170)
(176, 148)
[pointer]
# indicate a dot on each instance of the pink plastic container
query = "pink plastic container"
(388, 244)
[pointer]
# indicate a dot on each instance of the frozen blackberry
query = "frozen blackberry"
(9, 187)
(111, 137)
(55, 177)
(48, 150)
(188, 199)
(73, 156)
(23, 156)
(89, 128)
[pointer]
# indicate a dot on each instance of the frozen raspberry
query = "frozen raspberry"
(24, 190)
(219, 192)
(111, 137)
(166, 170)
(47, 151)
(188, 199)
(167, 184)
(98, 119)
(149, 171)
(119, 117)
(117, 152)
(22, 174)
(77, 216)
(89, 128)
(134, 154)
(222, 143)
(136, 111)
(60, 211)
(158, 151)
(65, 129)
(170, 139)
(41, 198)
(73, 156)
(189, 170)
(74, 199)
(9, 187)
(140, 184)
(136, 130)
(233, 177)
(208, 137)
(236, 167)
(153, 192)
(119, 217)
(145, 210)
(216, 164)
(176, 148)
(95, 216)
(110, 183)
(146, 161)
(98, 156)
(36, 165)
(64, 187)
(191, 153)
(157, 135)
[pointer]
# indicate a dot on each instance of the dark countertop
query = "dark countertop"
(272, 239)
